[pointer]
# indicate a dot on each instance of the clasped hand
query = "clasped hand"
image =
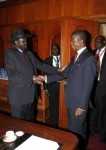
(38, 79)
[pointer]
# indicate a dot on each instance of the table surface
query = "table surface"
(68, 140)
(13, 145)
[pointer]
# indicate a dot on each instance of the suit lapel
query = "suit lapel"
(103, 61)
(85, 54)
(82, 56)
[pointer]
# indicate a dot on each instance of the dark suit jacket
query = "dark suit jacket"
(49, 60)
(21, 68)
(80, 78)
(101, 87)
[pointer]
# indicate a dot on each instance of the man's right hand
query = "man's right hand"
(37, 79)
(42, 78)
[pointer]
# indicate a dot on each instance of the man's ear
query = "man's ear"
(104, 42)
(82, 42)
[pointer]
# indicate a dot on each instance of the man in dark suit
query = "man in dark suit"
(22, 67)
(100, 97)
(53, 88)
(80, 76)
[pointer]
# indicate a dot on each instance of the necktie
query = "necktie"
(56, 61)
(57, 64)
(99, 54)
(97, 61)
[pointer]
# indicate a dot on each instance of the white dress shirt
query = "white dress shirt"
(20, 50)
(79, 52)
(100, 54)
(56, 61)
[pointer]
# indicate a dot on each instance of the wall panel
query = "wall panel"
(3, 16)
(51, 9)
(36, 11)
(15, 14)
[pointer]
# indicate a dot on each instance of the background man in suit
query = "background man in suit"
(80, 76)
(53, 88)
(100, 97)
(22, 67)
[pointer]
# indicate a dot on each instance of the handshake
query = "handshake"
(39, 79)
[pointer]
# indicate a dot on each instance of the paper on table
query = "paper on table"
(38, 143)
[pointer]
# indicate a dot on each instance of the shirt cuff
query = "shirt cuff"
(45, 78)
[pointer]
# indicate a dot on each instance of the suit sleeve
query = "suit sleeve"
(58, 77)
(88, 78)
(10, 66)
(42, 66)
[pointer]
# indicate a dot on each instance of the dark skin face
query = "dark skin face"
(55, 50)
(21, 43)
(99, 42)
(77, 43)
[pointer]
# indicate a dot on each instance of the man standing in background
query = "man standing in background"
(100, 97)
(53, 88)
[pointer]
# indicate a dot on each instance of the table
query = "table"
(68, 140)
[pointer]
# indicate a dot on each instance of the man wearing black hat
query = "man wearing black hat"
(22, 67)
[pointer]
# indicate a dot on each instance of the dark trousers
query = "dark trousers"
(26, 111)
(101, 114)
(77, 124)
(53, 91)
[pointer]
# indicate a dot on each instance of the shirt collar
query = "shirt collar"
(20, 50)
(102, 50)
(81, 50)
(56, 56)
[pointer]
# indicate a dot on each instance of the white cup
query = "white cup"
(10, 134)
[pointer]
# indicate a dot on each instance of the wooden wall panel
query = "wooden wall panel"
(51, 9)
(98, 7)
(54, 9)
(15, 14)
(3, 16)
(36, 11)
(74, 8)
(45, 32)
(5, 36)
(4, 43)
